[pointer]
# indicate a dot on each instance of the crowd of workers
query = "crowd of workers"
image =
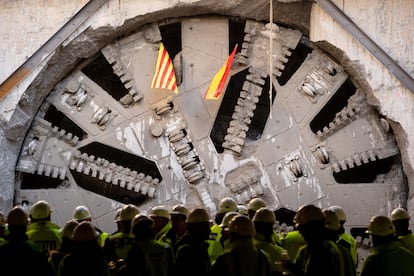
(241, 240)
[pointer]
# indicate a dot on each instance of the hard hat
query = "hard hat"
(142, 221)
(399, 213)
(159, 211)
(128, 212)
(264, 215)
(242, 209)
(380, 226)
(40, 210)
(308, 213)
(242, 225)
(81, 213)
(67, 230)
(179, 209)
(331, 220)
(84, 231)
(227, 204)
(2, 219)
(198, 215)
(339, 212)
(17, 217)
(227, 218)
(255, 204)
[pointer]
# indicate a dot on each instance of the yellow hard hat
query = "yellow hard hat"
(128, 212)
(264, 215)
(179, 209)
(308, 213)
(227, 204)
(198, 215)
(380, 226)
(159, 211)
(81, 213)
(17, 216)
(339, 212)
(84, 231)
(399, 213)
(331, 220)
(227, 218)
(242, 225)
(255, 204)
(67, 230)
(40, 210)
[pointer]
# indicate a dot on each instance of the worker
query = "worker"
(161, 217)
(264, 220)
(178, 215)
(87, 256)
(41, 230)
(319, 256)
(148, 256)
(254, 205)
(81, 214)
(56, 256)
(389, 256)
(333, 226)
(215, 247)
(117, 245)
(345, 239)
(225, 233)
(242, 209)
(192, 249)
(18, 254)
(400, 219)
(292, 241)
(244, 258)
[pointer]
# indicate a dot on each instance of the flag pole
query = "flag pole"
(270, 58)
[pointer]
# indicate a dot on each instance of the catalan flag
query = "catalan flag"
(217, 84)
(164, 76)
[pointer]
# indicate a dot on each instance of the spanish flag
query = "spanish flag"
(164, 76)
(219, 80)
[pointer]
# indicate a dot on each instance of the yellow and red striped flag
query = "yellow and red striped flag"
(164, 76)
(217, 84)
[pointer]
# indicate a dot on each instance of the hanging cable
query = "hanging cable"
(270, 57)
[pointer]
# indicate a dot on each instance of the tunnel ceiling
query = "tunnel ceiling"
(103, 137)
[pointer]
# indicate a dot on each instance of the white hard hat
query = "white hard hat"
(17, 216)
(339, 212)
(159, 211)
(255, 204)
(227, 218)
(128, 212)
(227, 204)
(198, 215)
(67, 230)
(81, 213)
(242, 209)
(179, 209)
(308, 213)
(399, 213)
(331, 220)
(40, 210)
(242, 225)
(380, 226)
(84, 231)
(264, 215)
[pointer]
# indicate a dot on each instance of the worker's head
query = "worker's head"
(241, 227)
(178, 216)
(263, 221)
(310, 221)
(160, 215)
(67, 230)
(198, 223)
(143, 227)
(400, 218)
(85, 232)
(254, 205)
(380, 229)
(81, 213)
(40, 210)
(17, 221)
(226, 204)
(126, 214)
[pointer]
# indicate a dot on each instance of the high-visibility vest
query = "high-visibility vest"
(46, 235)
